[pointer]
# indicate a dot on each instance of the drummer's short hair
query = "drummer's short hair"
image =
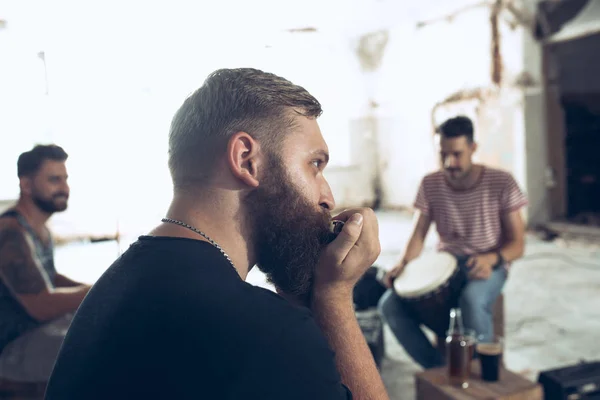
(456, 127)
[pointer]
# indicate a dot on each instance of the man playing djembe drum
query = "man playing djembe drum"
(476, 210)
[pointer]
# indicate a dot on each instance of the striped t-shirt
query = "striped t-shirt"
(469, 221)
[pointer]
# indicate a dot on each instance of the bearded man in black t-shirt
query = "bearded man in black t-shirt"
(174, 318)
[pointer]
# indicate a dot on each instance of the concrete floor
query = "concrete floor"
(552, 301)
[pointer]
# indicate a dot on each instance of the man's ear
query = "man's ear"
(25, 184)
(244, 158)
(473, 147)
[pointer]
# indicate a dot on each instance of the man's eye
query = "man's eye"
(317, 163)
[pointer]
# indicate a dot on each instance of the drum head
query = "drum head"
(424, 274)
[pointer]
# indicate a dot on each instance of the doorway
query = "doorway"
(571, 68)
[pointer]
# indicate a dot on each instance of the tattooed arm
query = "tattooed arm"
(21, 272)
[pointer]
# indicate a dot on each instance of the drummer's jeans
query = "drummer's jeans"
(476, 303)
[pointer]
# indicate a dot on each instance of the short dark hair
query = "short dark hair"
(29, 163)
(456, 127)
(229, 101)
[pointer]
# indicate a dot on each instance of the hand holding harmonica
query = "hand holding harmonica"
(353, 249)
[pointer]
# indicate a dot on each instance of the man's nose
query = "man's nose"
(450, 162)
(326, 201)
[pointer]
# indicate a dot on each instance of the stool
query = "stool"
(498, 318)
(11, 390)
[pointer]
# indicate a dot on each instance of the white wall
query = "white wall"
(116, 77)
(118, 70)
(536, 138)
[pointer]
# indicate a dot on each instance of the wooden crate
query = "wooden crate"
(433, 384)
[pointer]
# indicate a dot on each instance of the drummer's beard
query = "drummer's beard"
(288, 232)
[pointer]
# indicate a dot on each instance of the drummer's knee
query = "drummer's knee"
(386, 304)
(480, 295)
(474, 301)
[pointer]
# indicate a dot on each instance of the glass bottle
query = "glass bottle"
(457, 351)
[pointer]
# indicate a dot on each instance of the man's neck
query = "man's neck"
(219, 218)
(34, 216)
(469, 181)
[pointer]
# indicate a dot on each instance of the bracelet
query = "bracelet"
(500, 260)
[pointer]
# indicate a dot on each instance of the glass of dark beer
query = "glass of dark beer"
(490, 354)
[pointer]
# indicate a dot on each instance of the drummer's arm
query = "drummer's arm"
(422, 222)
(514, 230)
(415, 245)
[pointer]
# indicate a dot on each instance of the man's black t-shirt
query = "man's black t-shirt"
(172, 319)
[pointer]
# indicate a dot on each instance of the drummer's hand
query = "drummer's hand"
(344, 261)
(482, 265)
(388, 279)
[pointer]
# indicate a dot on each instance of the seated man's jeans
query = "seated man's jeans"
(476, 302)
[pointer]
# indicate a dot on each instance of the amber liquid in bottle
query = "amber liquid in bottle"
(458, 351)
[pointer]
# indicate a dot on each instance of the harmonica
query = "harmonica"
(336, 227)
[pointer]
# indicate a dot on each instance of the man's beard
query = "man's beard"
(288, 232)
(458, 174)
(51, 205)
